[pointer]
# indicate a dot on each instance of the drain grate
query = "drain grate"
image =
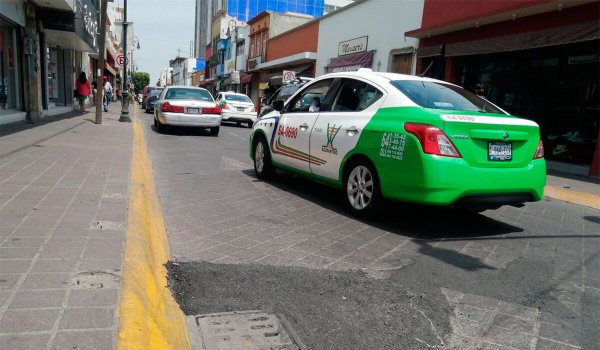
(247, 330)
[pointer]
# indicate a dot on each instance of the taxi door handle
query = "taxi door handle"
(352, 131)
(304, 126)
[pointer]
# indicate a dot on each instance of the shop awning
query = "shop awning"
(349, 63)
(247, 78)
(109, 69)
(429, 51)
(549, 37)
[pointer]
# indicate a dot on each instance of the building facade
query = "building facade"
(182, 69)
(244, 10)
(343, 47)
(536, 59)
(44, 45)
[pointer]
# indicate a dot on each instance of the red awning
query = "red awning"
(248, 78)
(109, 69)
(349, 63)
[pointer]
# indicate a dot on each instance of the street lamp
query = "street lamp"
(136, 46)
(125, 94)
(235, 46)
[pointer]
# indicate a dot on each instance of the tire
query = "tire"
(250, 124)
(238, 123)
(263, 167)
(214, 131)
(159, 127)
(362, 192)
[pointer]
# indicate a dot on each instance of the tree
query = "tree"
(141, 80)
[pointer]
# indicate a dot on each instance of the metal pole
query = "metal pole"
(235, 55)
(125, 95)
(101, 49)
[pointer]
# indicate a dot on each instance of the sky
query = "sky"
(162, 27)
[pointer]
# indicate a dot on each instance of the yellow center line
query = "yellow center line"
(149, 317)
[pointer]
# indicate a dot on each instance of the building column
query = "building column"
(33, 73)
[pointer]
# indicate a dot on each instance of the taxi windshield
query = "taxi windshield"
(436, 95)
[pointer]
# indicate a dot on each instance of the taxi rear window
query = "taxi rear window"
(436, 95)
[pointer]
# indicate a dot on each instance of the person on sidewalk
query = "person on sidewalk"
(83, 89)
(107, 93)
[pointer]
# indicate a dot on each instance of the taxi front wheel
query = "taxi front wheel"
(362, 193)
(262, 159)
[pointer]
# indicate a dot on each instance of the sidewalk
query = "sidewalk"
(63, 212)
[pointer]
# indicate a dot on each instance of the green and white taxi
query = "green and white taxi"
(383, 136)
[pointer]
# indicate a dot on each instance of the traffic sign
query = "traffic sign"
(288, 75)
(122, 60)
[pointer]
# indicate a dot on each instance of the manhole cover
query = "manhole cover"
(245, 330)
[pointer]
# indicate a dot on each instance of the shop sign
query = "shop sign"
(229, 66)
(353, 46)
(254, 62)
(263, 86)
(235, 77)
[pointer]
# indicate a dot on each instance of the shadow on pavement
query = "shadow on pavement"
(16, 127)
(182, 131)
(452, 257)
(592, 218)
(410, 220)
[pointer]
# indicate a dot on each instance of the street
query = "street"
(415, 278)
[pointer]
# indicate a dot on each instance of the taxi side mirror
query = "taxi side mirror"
(278, 105)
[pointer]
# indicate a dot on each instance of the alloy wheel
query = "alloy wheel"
(359, 188)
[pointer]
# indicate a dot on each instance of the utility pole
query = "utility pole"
(101, 50)
(125, 94)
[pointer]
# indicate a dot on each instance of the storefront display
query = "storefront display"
(10, 90)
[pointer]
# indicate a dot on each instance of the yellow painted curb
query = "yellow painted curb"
(581, 198)
(149, 317)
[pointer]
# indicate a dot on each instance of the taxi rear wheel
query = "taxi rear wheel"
(362, 194)
(262, 159)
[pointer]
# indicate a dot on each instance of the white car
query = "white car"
(187, 106)
(236, 108)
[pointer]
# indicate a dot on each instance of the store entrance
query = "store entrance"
(555, 86)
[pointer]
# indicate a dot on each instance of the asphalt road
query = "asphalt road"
(416, 278)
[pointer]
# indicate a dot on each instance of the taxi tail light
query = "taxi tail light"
(433, 140)
(253, 108)
(211, 110)
(539, 151)
(167, 107)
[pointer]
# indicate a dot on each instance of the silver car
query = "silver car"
(187, 106)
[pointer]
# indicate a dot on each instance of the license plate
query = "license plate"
(499, 151)
(193, 110)
(240, 109)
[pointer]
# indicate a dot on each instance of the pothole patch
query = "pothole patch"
(114, 196)
(95, 280)
(245, 330)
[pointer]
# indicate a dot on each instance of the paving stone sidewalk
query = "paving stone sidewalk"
(63, 211)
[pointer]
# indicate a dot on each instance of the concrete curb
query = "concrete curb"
(581, 198)
(149, 317)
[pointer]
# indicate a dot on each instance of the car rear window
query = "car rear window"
(288, 91)
(188, 94)
(238, 98)
(435, 95)
(155, 92)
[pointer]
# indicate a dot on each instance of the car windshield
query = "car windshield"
(238, 98)
(435, 95)
(188, 94)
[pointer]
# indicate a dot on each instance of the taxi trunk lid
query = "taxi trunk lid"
(489, 140)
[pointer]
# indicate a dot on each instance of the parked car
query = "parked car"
(187, 106)
(282, 94)
(146, 93)
(152, 98)
(383, 136)
(138, 97)
(236, 108)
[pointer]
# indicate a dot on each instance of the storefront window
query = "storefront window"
(10, 89)
(556, 86)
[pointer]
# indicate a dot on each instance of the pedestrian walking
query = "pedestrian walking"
(83, 89)
(107, 93)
